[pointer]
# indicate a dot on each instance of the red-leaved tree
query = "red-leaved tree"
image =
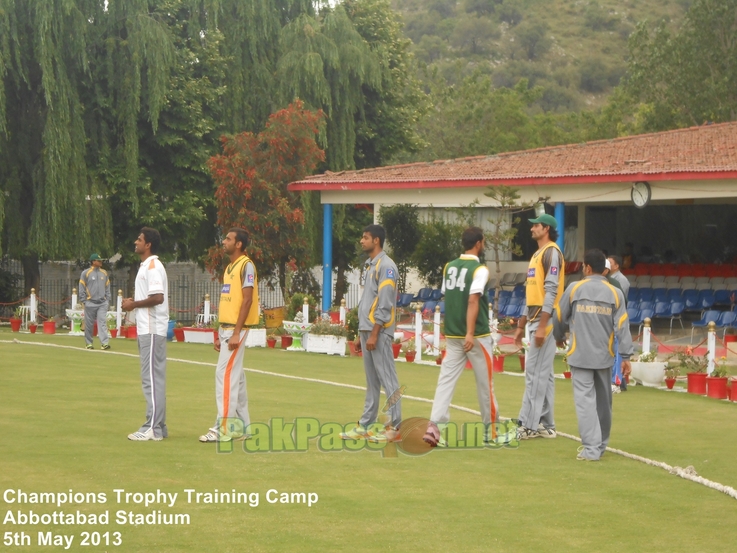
(252, 175)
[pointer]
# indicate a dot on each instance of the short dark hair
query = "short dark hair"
(152, 236)
(240, 236)
(552, 233)
(376, 231)
(470, 236)
(596, 260)
(617, 259)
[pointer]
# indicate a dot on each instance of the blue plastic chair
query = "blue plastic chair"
(706, 299)
(633, 295)
(429, 306)
(404, 300)
(633, 314)
(711, 315)
(727, 318)
(441, 304)
(674, 294)
(646, 294)
(660, 294)
(647, 306)
(423, 295)
(436, 295)
(676, 310)
(662, 310)
(722, 297)
(519, 291)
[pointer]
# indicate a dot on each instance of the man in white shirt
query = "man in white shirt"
(152, 321)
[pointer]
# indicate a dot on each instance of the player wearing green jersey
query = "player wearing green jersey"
(467, 334)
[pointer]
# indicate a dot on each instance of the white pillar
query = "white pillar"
(418, 334)
(711, 345)
(342, 311)
(34, 307)
(306, 311)
(207, 309)
(436, 332)
(75, 299)
(646, 335)
(119, 312)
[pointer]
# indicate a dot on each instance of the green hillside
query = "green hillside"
(576, 49)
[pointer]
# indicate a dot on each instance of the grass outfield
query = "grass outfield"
(65, 414)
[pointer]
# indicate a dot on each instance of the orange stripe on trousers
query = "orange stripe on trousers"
(226, 384)
(490, 372)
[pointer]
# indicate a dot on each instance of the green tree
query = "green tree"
(688, 77)
(531, 37)
(402, 225)
(473, 34)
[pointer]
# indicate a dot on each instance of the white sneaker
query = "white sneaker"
(213, 436)
(144, 436)
(524, 433)
(546, 432)
(615, 389)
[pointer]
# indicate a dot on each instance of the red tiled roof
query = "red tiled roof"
(707, 152)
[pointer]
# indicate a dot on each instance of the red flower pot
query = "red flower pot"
(32, 328)
(123, 331)
(439, 361)
(335, 317)
(716, 387)
(49, 327)
(410, 356)
(670, 382)
(730, 338)
(696, 383)
(132, 333)
(733, 390)
(179, 334)
(15, 325)
(567, 374)
(396, 348)
(113, 332)
(497, 363)
(271, 342)
(286, 341)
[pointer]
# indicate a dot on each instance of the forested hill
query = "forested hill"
(575, 49)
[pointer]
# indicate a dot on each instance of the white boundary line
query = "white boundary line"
(689, 473)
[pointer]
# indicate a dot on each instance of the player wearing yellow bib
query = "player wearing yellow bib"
(238, 310)
(467, 334)
(545, 282)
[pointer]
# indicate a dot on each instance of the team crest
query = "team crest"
(531, 272)
(226, 289)
(390, 273)
(554, 271)
(249, 279)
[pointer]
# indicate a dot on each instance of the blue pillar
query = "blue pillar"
(327, 256)
(560, 216)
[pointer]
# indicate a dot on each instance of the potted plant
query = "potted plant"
(716, 382)
(497, 363)
(179, 332)
(131, 332)
(671, 373)
(567, 372)
(439, 359)
(284, 336)
(409, 353)
(271, 338)
(326, 337)
(647, 370)
(334, 315)
(15, 320)
(397, 347)
(696, 367)
(112, 325)
(32, 327)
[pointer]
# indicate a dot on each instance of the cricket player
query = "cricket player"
(467, 333)
(376, 323)
(545, 282)
(237, 311)
(151, 307)
(94, 293)
(594, 312)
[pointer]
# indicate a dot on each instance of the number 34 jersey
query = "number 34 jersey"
(461, 278)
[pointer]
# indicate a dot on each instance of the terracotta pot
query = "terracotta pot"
(286, 341)
(123, 331)
(179, 334)
(439, 361)
(396, 348)
(113, 332)
(733, 390)
(670, 382)
(497, 363)
(410, 356)
(696, 383)
(730, 338)
(132, 333)
(271, 342)
(335, 317)
(15, 325)
(716, 387)
(32, 328)
(49, 327)
(567, 374)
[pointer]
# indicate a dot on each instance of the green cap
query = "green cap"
(95, 257)
(546, 219)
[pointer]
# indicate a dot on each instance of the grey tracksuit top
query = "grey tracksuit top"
(594, 311)
(379, 298)
(94, 286)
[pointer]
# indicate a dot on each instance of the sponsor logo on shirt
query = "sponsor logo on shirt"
(390, 273)
(226, 289)
(531, 272)
(249, 279)
(554, 271)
